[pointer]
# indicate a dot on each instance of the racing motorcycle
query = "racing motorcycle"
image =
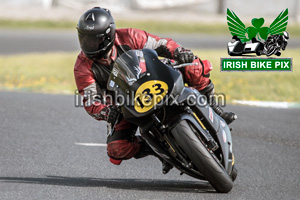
(175, 120)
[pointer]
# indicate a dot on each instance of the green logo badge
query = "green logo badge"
(263, 40)
(237, 27)
(257, 39)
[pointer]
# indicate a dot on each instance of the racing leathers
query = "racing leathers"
(92, 75)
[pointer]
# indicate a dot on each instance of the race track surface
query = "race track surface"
(41, 159)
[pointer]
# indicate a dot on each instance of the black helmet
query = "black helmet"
(96, 32)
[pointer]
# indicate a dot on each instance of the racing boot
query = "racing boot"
(208, 91)
(166, 167)
(145, 150)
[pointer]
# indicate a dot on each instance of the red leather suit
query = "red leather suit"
(91, 77)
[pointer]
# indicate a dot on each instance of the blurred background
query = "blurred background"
(169, 10)
(155, 9)
(38, 41)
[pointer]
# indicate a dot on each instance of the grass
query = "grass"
(150, 26)
(48, 73)
(53, 73)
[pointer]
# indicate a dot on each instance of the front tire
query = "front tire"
(201, 157)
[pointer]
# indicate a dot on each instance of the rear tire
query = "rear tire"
(201, 158)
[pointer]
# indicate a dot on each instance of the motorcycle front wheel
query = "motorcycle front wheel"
(202, 159)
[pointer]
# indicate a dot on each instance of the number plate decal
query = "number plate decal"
(149, 94)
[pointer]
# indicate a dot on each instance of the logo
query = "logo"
(222, 123)
(111, 83)
(211, 115)
(275, 37)
(89, 28)
(115, 72)
(258, 40)
(224, 136)
(90, 16)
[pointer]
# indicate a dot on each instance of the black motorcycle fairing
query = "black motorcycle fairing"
(199, 104)
(225, 141)
(126, 79)
(125, 71)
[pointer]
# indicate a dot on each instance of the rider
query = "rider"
(101, 43)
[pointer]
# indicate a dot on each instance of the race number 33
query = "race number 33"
(149, 94)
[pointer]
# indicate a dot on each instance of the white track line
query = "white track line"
(270, 104)
(92, 144)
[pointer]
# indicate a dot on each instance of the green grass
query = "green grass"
(53, 73)
(149, 26)
(48, 73)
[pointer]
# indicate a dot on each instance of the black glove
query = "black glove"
(110, 114)
(183, 55)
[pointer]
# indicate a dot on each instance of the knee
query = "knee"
(122, 149)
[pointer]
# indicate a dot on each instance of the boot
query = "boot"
(166, 167)
(145, 150)
(208, 91)
(229, 117)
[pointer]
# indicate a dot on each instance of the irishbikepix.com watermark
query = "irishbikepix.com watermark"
(130, 99)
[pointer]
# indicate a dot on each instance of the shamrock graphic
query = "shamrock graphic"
(238, 28)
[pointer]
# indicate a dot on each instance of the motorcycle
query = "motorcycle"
(175, 120)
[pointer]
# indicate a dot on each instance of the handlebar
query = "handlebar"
(183, 65)
(175, 64)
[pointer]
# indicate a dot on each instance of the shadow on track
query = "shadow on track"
(126, 184)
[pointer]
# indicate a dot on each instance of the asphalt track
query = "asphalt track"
(41, 159)
(15, 41)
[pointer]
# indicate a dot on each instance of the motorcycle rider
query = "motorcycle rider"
(101, 43)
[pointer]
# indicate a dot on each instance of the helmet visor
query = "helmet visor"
(91, 43)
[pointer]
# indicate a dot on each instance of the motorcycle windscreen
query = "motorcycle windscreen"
(130, 66)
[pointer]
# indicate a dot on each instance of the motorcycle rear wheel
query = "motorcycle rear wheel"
(202, 158)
